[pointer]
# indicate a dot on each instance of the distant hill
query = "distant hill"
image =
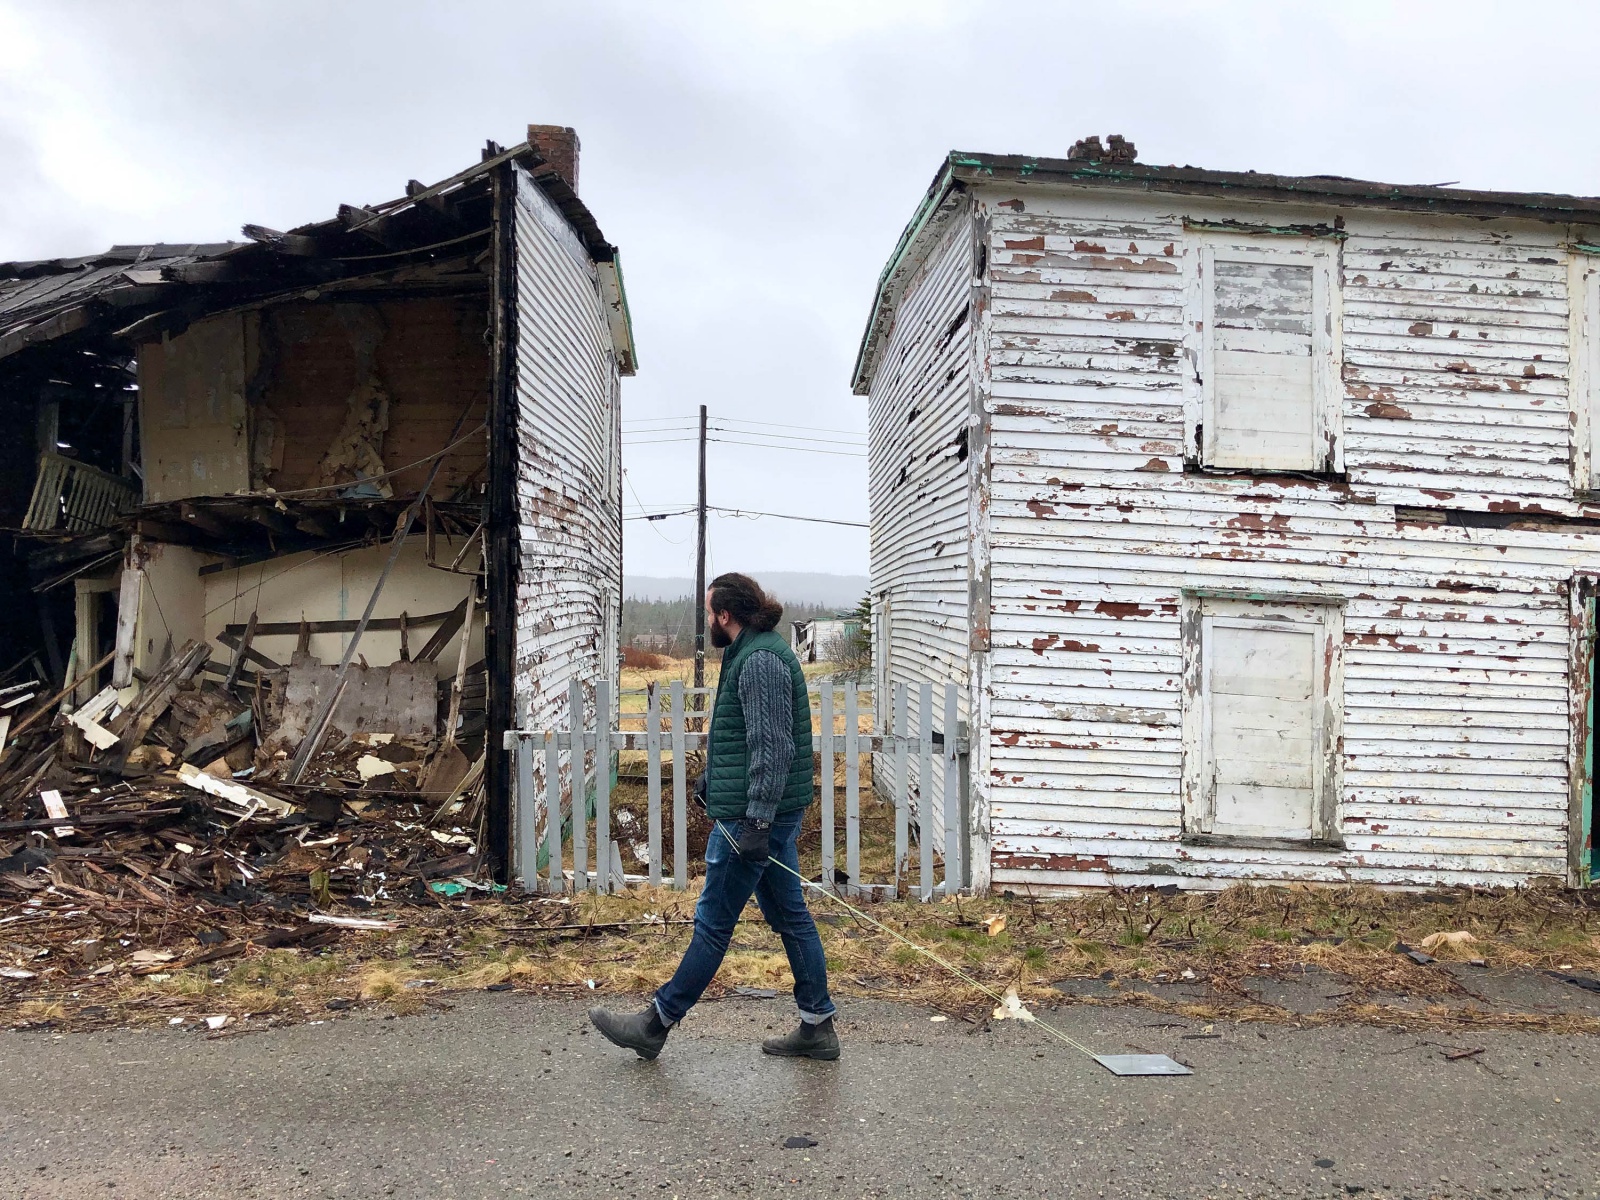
(792, 587)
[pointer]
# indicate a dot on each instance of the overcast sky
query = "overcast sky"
(755, 162)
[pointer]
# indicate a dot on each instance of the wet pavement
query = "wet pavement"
(510, 1095)
(1307, 990)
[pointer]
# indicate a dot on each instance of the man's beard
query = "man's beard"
(720, 638)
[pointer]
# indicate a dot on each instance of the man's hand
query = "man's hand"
(754, 840)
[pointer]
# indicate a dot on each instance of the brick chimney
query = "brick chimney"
(559, 146)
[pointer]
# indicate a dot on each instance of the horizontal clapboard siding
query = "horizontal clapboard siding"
(918, 415)
(568, 478)
(1455, 760)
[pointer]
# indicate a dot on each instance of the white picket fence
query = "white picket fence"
(565, 839)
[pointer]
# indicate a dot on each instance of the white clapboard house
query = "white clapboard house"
(1257, 515)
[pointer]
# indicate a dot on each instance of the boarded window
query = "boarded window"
(1261, 719)
(1270, 399)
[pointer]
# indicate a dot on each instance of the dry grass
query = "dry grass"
(1130, 940)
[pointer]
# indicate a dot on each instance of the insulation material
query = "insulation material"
(356, 453)
(350, 386)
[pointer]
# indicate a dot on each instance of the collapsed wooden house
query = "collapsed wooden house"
(1259, 515)
(371, 465)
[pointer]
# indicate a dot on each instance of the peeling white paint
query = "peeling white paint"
(1094, 518)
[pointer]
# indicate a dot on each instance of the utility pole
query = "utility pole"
(700, 573)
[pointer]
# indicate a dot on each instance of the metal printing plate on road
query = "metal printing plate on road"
(1141, 1064)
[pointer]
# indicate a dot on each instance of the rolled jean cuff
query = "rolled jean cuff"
(815, 1018)
(661, 1012)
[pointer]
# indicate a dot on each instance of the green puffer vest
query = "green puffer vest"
(728, 763)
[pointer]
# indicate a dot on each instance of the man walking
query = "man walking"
(756, 787)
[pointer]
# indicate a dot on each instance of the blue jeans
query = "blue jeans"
(730, 882)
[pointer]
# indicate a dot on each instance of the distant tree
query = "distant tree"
(667, 626)
(852, 652)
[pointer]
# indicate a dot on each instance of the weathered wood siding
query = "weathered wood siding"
(920, 411)
(1455, 756)
(569, 481)
(193, 413)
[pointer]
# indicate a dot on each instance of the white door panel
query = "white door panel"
(1262, 729)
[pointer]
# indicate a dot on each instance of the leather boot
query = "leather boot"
(809, 1041)
(644, 1033)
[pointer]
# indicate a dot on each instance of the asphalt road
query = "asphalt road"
(509, 1095)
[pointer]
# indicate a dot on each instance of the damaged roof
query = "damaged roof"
(131, 293)
(963, 169)
(44, 300)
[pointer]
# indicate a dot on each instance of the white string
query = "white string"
(923, 950)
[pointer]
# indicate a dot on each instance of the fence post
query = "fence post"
(552, 810)
(952, 796)
(901, 793)
(680, 804)
(825, 765)
(527, 815)
(852, 789)
(580, 789)
(652, 743)
(925, 832)
(602, 787)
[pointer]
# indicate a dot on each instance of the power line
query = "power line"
(758, 445)
(789, 437)
(642, 510)
(777, 425)
(800, 449)
(746, 512)
(663, 423)
(660, 516)
(721, 510)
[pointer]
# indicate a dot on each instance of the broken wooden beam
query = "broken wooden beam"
(241, 652)
(453, 621)
(133, 726)
(247, 798)
(231, 641)
(50, 704)
(461, 667)
(87, 718)
(294, 244)
(390, 624)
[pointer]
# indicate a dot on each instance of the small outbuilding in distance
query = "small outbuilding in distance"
(1258, 516)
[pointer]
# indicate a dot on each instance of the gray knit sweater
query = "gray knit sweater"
(767, 695)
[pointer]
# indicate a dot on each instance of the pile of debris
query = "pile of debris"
(176, 793)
